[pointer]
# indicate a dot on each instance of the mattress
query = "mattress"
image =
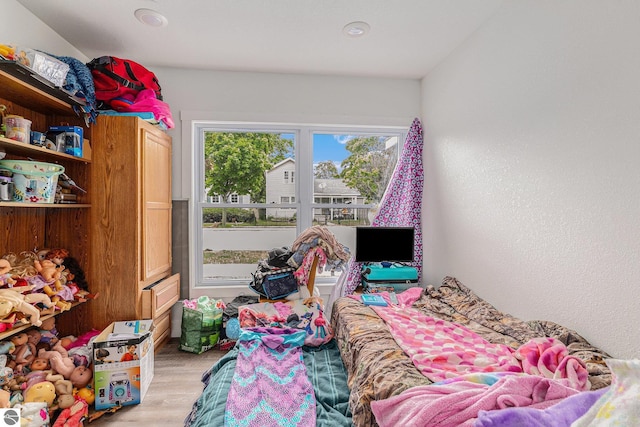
(378, 368)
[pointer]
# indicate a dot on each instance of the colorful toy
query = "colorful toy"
(43, 391)
(73, 415)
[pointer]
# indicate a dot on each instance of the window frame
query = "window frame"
(303, 202)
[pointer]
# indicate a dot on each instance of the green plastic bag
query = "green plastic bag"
(200, 329)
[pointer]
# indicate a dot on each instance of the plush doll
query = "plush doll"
(33, 414)
(74, 415)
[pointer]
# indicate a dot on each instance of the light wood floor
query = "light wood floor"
(176, 385)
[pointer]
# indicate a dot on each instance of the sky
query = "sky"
(329, 147)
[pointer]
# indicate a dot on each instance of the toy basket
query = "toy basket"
(33, 182)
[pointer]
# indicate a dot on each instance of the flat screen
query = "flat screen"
(377, 244)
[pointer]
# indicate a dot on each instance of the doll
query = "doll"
(40, 364)
(23, 302)
(48, 332)
(6, 278)
(50, 273)
(81, 376)
(25, 351)
(7, 316)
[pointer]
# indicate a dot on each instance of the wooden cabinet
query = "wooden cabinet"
(28, 226)
(131, 223)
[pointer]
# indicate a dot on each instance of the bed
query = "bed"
(379, 369)
(364, 362)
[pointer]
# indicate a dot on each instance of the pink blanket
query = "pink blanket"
(442, 349)
(457, 403)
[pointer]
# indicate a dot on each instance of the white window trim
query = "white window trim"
(193, 123)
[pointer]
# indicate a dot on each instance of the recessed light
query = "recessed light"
(356, 29)
(151, 18)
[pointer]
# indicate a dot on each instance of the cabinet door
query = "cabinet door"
(156, 204)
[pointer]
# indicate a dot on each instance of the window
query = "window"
(252, 203)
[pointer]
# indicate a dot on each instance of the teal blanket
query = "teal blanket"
(324, 369)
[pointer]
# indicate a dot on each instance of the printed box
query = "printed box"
(68, 139)
(123, 364)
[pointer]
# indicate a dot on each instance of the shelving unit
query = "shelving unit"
(19, 328)
(27, 226)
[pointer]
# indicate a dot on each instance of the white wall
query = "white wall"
(20, 27)
(278, 98)
(532, 159)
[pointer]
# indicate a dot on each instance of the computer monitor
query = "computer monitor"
(378, 244)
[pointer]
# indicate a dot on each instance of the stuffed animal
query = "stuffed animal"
(73, 415)
(33, 414)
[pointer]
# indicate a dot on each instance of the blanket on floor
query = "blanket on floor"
(324, 369)
(270, 385)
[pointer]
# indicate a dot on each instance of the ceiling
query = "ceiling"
(406, 39)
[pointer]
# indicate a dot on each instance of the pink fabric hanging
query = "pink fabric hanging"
(401, 205)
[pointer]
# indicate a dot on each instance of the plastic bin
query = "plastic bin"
(33, 182)
(18, 128)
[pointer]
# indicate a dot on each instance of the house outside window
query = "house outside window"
(254, 205)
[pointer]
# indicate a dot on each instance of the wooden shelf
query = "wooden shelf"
(28, 150)
(20, 83)
(44, 205)
(22, 327)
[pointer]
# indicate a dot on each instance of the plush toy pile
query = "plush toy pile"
(47, 377)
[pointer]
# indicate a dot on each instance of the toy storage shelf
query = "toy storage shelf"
(28, 150)
(16, 329)
(33, 226)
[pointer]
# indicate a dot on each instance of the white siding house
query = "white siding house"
(281, 188)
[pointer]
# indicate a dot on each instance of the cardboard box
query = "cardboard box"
(68, 139)
(123, 363)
